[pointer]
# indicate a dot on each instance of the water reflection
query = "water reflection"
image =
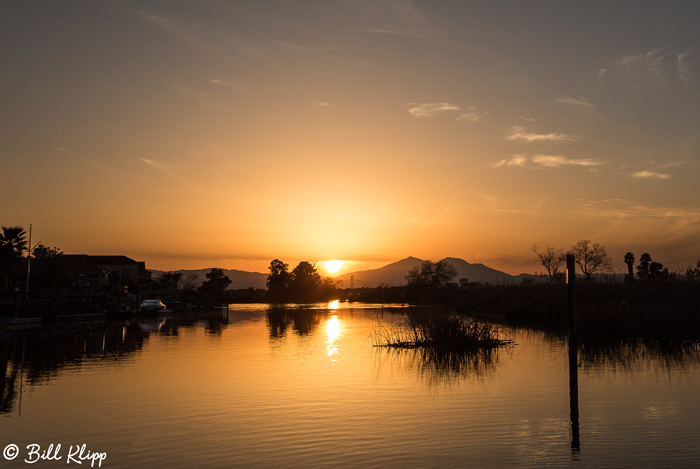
(37, 356)
(437, 367)
(575, 434)
(626, 355)
(333, 331)
(34, 357)
(302, 320)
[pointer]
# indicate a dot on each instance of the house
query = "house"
(101, 270)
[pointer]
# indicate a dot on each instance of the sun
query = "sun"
(333, 266)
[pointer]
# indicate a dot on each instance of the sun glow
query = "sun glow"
(333, 266)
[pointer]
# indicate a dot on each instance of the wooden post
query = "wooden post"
(571, 290)
(573, 357)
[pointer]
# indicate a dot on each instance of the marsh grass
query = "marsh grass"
(437, 330)
(667, 310)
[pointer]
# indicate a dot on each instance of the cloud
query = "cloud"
(229, 84)
(491, 199)
(520, 133)
(648, 174)
(601, 72)
(472, 115)
(574, 102)
(200, 96)
(320, 103)
(655, 68)
(163, 167)
(545, 161)
(683, 71)
(516, 160)
(431, 109)
(555, 161)
(90, 161)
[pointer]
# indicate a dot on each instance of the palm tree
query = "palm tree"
(629, 260)
(643, 267)
(13, 243)
(15, 237)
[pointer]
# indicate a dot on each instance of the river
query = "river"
(253, 387)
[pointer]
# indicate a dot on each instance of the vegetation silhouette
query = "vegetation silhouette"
(13, 243)
(438, 329)
(551, 259)
(590, 257)
(302, 285)
(214, 288)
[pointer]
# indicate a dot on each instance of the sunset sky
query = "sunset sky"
(202, 134)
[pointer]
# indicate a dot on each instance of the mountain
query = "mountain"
(239, 278)
(478, 272)
(394, 274)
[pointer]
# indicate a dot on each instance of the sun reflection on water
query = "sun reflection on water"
(333, 331)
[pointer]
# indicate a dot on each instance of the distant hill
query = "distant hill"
(478, 272)
(394, 274)
(239, 278)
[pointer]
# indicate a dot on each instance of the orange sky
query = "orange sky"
(193, 136)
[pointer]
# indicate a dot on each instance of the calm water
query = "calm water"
(281, 389)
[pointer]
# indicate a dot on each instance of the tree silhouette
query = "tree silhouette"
(216, 283)
(305, 282)
(657, 271)
(551, 259)
(12, 244)
(590, 258)
(431, 274)
(643, 267)
(49, 266)
(189, 282)
(170, 280)
(278, 279)
(629, 260)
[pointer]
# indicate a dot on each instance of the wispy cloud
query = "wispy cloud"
(656, 67)
(228, 84)
(555, 161)
(90, 161)
(471, 115)
(520, 133)
(395, 32)
(320, 103)
(491, 199)
(160, 166)
(648, 174)
(431, 109)
(623, 208)
(683, 72)
(581, 102)
(545, 161)
(200, 96)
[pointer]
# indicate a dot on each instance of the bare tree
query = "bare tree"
(551, 259)
(591, 258)
(189, 282)
(432, 274)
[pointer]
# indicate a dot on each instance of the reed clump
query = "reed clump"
(440, 330)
